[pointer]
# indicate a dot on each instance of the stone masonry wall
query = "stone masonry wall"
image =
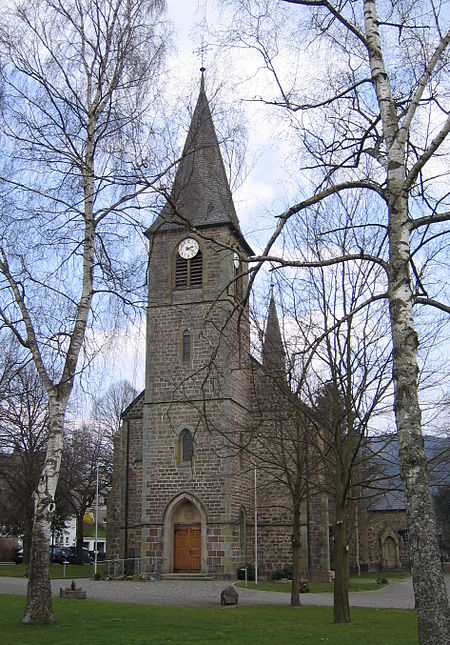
(378, 521)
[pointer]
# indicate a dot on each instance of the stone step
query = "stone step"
(186, 576)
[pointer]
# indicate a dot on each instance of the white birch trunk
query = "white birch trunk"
(429, 585)
(38, 607)
(39, 596)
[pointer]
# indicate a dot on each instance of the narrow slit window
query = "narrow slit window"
(243, 532)
(186, 347)
(186, 445)
(238, 281)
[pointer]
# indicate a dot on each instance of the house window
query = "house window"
(189, 271)
(186, 347)
(186, 445)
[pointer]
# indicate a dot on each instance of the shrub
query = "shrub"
(285, 572)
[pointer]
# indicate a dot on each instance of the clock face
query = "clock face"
(188, 248)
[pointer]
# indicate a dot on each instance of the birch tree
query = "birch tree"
(80, 144)
(366, 97)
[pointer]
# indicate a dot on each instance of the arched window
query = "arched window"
(186, 347)
(186, 445)
(189, 272)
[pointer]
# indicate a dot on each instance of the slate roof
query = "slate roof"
(200, 192)
(437, 450)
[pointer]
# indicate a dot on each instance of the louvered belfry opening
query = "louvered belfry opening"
(196, 271)
(189, 273)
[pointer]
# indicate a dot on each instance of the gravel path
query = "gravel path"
(175, 593)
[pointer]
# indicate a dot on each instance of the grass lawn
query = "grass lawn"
(366, 582)
(81, 621)
(56, 571)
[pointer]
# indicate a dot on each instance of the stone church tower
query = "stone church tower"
(183, 498)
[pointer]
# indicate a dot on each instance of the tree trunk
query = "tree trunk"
(38, 607)
(39, 593)
(429, 584)
(341, 558)
(80, 535)
(296, 553)
(27, 531)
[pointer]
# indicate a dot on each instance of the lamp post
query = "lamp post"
(96, 522)
(256, 533)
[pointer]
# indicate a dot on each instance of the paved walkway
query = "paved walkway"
(174, 593)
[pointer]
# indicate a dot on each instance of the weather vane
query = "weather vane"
(202, 51)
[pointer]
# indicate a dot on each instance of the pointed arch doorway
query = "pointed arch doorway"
(185, 536)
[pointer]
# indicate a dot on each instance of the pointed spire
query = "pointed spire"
(273, 354)
(200, 191)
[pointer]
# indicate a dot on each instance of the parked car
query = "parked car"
(18, 556)
(58, 554)
(71, 555)
(101, 555)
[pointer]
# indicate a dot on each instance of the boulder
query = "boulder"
(229, 596)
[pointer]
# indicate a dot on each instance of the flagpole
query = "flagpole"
(256, 534)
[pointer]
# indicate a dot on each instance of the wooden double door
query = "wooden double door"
(187, 548)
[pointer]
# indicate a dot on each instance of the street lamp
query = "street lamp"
(256, 533)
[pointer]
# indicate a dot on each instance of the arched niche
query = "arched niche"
(390, 551)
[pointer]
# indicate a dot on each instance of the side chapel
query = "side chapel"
(183, 497)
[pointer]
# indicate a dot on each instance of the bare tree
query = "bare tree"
(107, 408)
(372, 119)
(340, 377)
(106, 415)
(278, 443)
(79, 78)
(441, 500)
(23, 441)
(347, 364)
(84, 452)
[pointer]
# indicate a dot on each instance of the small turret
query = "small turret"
(273, 353)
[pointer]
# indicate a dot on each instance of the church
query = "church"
(190, 495)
